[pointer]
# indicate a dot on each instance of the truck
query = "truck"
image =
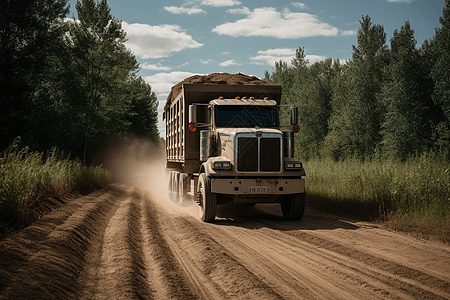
(223, 145)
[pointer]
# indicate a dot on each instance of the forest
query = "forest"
(66, 83)
(383, 103)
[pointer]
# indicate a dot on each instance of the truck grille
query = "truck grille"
(269, 154)
(247, 154)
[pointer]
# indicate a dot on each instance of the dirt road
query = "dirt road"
(127, 243)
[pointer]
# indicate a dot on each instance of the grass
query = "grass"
(413, 195)
(28, 178)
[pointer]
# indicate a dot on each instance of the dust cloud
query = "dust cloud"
(136, 161)
(140, 162)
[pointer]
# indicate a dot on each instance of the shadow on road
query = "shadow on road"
(270, 216)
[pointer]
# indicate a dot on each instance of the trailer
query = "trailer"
(223, 145)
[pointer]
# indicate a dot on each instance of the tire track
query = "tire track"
(349, 268)
(120, 272)
(168, 277)
(16, 250)
(413, 282)
(53, 267)
(294, 272)
(210, 268)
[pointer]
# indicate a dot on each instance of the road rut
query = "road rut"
(127, 243)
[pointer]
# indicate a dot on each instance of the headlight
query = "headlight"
(221, 165)
(292, 165)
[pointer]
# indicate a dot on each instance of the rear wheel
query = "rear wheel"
(207, 200)
(294, 207)
(182, 188)
(170, 185)
(175, 196)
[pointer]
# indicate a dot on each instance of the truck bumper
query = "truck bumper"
(257, 186)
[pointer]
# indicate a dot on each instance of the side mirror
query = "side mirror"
(294, 115)
(192, 114)
(192, 117)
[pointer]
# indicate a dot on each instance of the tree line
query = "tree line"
(381, 103)
(69, 83)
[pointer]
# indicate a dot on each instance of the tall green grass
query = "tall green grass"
(27, 177)
(416, 188)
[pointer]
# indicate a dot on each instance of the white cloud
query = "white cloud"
(184, 10)
(315, 58)
(348, 32)
(160, 41)
(300, 5)
(220, 3)
(226, 53)
(243, 11)
(183, 65)
(271, 56)
(158, 67)
(228, 63)
(267, 21)
(278, 52)
(398, 1)
(205, 62)
(162, 82)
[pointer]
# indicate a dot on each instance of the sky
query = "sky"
(175, 39)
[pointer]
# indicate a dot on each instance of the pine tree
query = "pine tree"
(355, 125)
(143, 114)
(101, 64)
(338, 142)
(406, 129)
(315, 108)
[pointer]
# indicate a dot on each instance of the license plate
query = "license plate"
(259, 189)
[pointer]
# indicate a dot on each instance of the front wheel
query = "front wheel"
(207, 200)
(294, 207)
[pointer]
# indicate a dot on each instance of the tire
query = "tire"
(175, 196)
(294, 207)
(208, 206)
(169, 186)
(182, 189)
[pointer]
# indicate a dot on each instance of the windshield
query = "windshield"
(246, 116)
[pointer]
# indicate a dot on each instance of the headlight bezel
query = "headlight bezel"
(221, 165)
(293, 165)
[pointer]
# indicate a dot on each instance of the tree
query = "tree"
(143, 110)
(441, 75)
(101, 64)
(29, 31)
(315, 108)
(282, 76)
(356, 124)
(338, 142)
(407, 127)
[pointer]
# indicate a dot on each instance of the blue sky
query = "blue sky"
(175, 39)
